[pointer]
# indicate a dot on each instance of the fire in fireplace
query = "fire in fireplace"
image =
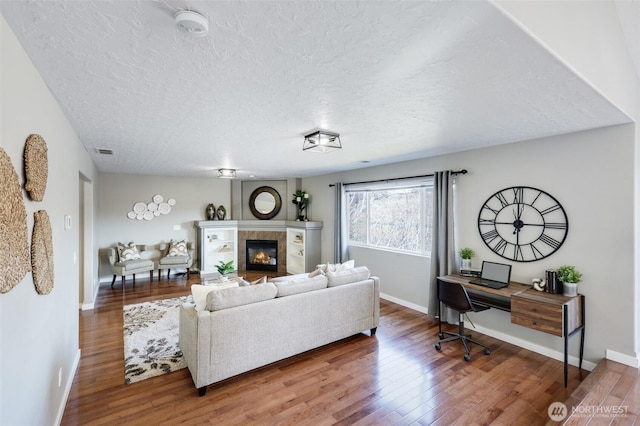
(262, 255)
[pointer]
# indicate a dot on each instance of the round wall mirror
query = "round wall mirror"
(265, 202)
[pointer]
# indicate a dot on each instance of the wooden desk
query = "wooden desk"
(554, 314)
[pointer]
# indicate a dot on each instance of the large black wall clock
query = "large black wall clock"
(523, 224)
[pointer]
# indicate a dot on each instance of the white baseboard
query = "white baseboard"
(404, 303)
(542, 350)
(622, 358)
(67, 388)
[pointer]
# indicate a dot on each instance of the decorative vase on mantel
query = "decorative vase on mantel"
(210, 212)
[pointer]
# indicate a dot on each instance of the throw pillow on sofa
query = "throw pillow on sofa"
(348, 276)
(336, 267)
(300, 285)
(199, 293)
(232, 297)
(177, 248)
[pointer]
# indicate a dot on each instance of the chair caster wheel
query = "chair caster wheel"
(437, 346)
(440, 335)
(467, 357)
(487, 351)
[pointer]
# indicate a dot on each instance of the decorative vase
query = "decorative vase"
(465, 264)
(221, 213)
(210, 212)
(569, 289)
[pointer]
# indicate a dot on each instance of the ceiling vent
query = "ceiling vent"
(104, 151)
(192, 23)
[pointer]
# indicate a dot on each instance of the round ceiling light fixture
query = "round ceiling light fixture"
(192, 23)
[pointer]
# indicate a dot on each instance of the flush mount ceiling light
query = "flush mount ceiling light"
(321, 141)
(227, 173)
(192, 23)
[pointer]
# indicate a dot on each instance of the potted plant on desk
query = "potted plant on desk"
(225, 268)
(465, 255)
(570, 278)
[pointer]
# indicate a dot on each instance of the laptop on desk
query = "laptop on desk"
(493, 275)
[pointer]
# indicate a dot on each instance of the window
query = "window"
(394, 218)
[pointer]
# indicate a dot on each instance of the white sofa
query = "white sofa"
(224, 340)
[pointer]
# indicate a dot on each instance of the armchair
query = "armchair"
(123, 266)
(177, 254)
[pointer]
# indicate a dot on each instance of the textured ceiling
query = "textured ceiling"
(397, 80)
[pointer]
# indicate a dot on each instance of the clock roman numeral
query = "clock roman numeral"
(517, 253)
(550, 209)
(554, 225)
(537, 254)
(488, 221)
(500, 246)
(486, 206)
(489, 236)
(518, 195)
(551, 242)
(502, 199)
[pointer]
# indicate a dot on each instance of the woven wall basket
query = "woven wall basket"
(36, 166)
(14, 236)
(42, 253)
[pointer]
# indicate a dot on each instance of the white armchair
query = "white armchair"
(177, 254)
(123, 266)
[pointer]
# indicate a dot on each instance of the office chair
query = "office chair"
(455, 296)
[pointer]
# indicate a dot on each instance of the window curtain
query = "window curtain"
(340, 254)
(442, 249)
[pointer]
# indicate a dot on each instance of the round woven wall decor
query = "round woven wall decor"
(42, 253)
(14, 236)
(36, 166)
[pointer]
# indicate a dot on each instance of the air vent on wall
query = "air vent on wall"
(104, 151)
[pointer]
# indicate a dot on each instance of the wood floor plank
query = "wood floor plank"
(394, 377)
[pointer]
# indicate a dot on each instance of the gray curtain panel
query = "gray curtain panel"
(340, 253)
(442, 248)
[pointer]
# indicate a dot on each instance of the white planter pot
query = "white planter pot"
(465, 264)
(569, 289)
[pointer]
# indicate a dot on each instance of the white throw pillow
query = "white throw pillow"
(347, 276)
(336, 267)
(199, 293)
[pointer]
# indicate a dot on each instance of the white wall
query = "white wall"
(589, 37)
(590, 173)
(39, 333)
(117, 193)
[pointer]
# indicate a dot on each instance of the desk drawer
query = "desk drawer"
(546, 317)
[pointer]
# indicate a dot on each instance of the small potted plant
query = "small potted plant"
(225, 268)
(466, 254)
(570, 278)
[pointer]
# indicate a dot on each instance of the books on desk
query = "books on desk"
(554, 285)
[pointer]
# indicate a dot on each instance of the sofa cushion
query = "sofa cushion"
(130, 265)
(178, 248)
(128, 252)
(200, 292)
(174, 260)
(232, 297)
(301, 285)
(347, 276)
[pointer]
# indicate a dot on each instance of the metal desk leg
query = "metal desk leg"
(565, 314)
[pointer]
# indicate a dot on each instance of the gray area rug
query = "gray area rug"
(151, 339)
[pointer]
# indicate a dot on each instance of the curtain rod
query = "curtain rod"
(459, 172)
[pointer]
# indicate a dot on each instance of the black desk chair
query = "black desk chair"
(455, 296)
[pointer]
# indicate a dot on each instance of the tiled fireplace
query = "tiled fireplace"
(280, 240)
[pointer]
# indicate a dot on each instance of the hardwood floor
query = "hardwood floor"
(395, 377)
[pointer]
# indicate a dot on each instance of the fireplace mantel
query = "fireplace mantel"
(258, 225)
